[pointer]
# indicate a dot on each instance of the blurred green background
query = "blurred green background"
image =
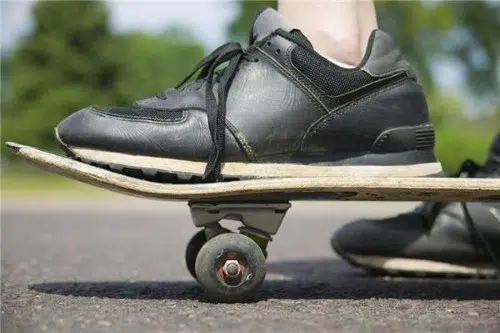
(72, 58)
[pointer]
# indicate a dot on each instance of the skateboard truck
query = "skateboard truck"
(260, 220)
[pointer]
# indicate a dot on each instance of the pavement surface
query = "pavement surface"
(116, 265)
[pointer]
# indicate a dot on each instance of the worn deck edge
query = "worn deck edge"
(328, 188)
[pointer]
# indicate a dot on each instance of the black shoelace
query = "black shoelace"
(216, 107)
(430, 210)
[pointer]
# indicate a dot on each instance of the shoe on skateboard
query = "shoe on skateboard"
(278, 109)
(460, 239)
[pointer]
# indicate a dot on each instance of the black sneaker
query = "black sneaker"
(278, 109)
(461, 239)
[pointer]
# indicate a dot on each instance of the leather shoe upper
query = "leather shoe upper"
(283, 100)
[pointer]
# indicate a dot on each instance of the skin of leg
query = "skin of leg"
(367, 22)
(336, 28)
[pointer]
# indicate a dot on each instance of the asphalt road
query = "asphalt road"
(116, 265)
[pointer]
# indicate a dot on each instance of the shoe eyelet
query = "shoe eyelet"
(268, 43)
(278, 51)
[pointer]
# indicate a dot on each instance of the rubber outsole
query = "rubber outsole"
(374, 267)
(153, 175)
(150, 174)
(166, 170)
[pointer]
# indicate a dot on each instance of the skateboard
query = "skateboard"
(230, 266)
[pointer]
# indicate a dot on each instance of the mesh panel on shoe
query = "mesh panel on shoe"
(298, 37)
(331, 79)
(141, 113)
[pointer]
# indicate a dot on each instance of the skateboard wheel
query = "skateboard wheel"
(230, 267)
(192, 250)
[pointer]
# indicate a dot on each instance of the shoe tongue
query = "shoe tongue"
(267, 21)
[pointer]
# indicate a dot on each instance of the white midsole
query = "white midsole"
(417, 265)
(259, 170)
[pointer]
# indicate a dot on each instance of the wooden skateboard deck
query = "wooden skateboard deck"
(277, 189)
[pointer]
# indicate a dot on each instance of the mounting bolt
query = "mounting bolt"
(232, 268)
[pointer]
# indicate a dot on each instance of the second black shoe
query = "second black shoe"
(460, 239)
(278, 109)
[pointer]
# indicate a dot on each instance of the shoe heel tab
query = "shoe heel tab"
(383, 57)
